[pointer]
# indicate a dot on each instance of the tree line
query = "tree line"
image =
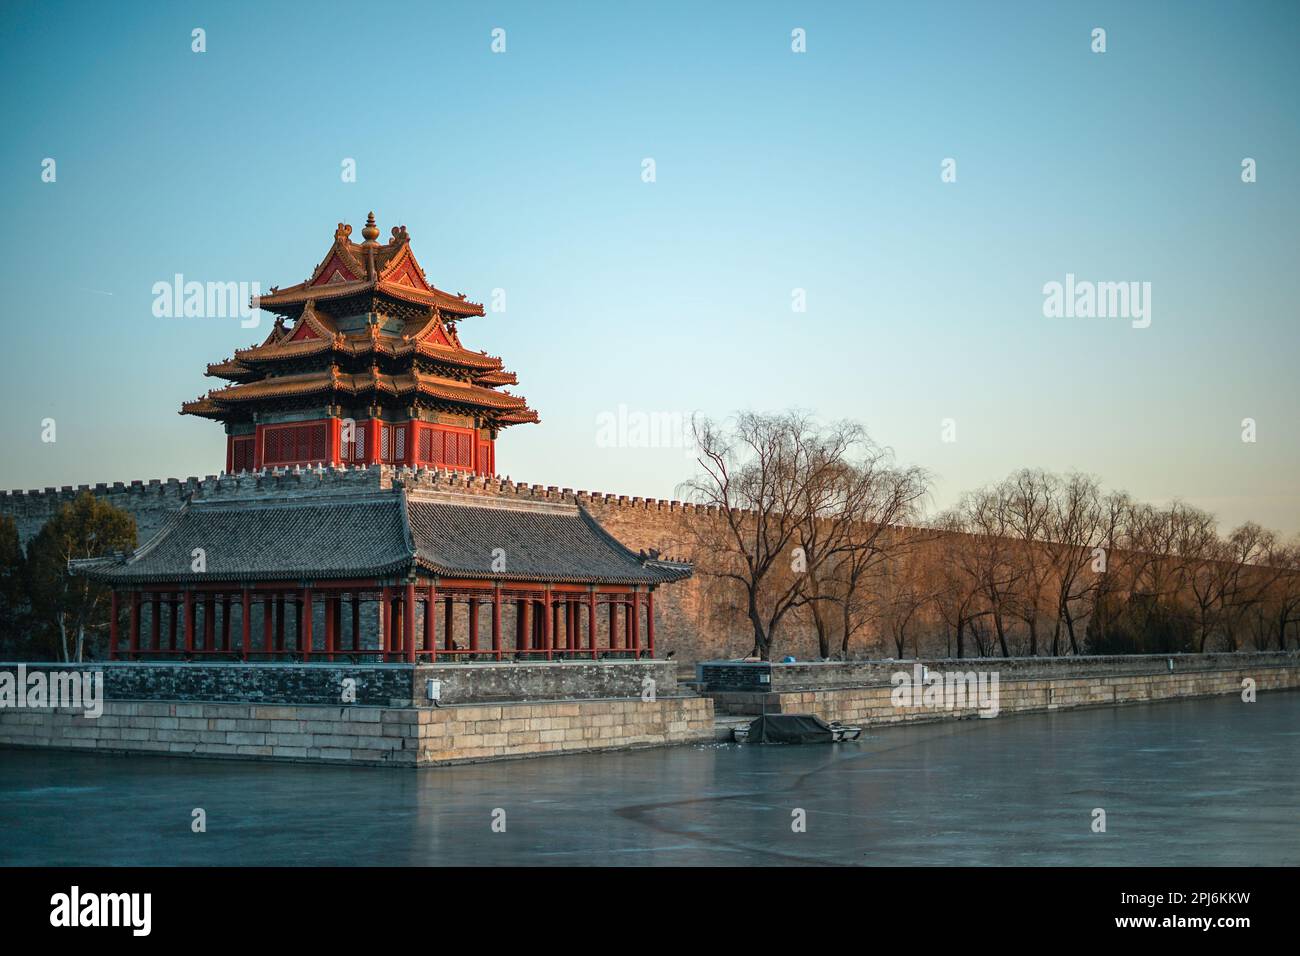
(814, 537)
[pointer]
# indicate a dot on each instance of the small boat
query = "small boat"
(794, 729)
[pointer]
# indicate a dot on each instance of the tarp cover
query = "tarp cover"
(790, 729)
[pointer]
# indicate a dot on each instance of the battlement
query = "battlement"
(142, 498)
(326, 480)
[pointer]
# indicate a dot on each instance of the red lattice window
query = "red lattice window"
(319, 443)
(295, 444)
(241, 454)
(353, 450)
(424, 450)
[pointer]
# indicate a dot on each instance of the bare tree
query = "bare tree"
(1027, 499)
(881, 529)
(783, 491)
(992, 555)
(1282, 598)
(1247, 576)
(957, 590)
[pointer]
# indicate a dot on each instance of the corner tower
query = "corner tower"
(364, 365)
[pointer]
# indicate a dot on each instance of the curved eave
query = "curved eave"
(525, 417)
(113, 571)
(503, 403)
(287, 301)
(629, 580)
(231, 371)
(266, 354)
(203, 408)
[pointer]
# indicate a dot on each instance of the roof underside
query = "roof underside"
(387, 534)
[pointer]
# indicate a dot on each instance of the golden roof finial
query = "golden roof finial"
(370, 231)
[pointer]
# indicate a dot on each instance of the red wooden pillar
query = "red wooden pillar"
(496, 621)
(650, 622)
(395, 622)
(548, 622)
(335, 450)
(173, 621)
(448, 622)
(268, 618)
(385, 622)
(134, 636)
(155, 622)
(627, 625)
(408, 621)
(305, 614)
(430, 619)
(356, 620)
(225, 621)
(189, 622)
(112, 627)
(257, 447)
(591, 621)
(373, 428)
(473, 623)
(245, 625)
(279, 622)
(210, 622)
(523, 624)
(330, 636)
(634, 615)
(230, 455)
(613, 623)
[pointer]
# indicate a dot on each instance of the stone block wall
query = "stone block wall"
(756, 676)
(872, 705)
(384, 736)
(385, 685)
(478, 732)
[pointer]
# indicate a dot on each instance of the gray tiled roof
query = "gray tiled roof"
(531, 542)
(382, 534)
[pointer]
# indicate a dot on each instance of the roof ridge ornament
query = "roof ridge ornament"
(342, 233)
(370, 231)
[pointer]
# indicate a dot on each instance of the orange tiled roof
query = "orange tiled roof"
(358, 384)
(350, 268)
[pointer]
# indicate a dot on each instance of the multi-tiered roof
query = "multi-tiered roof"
(366, 330)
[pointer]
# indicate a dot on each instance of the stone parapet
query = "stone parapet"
(386, 685)
(873, 705)
(383, 736)
(763, 676)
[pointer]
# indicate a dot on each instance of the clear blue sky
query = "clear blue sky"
(775, 171)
